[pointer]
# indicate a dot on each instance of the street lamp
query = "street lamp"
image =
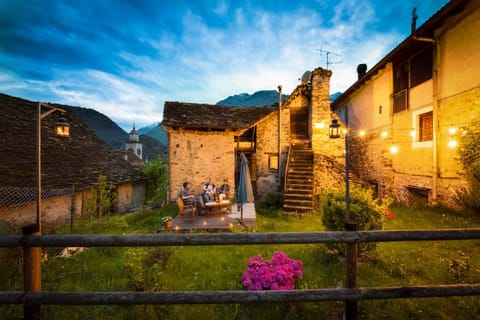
(62, 129)
(351, 248)
(32, 255)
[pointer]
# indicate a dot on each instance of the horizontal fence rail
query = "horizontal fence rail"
(107, 240)
(223, 297)
(33, 299)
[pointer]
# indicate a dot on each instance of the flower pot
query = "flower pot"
(168, 224)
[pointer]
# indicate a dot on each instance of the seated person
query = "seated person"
(209, 191)
(224, 191)
(188, 196)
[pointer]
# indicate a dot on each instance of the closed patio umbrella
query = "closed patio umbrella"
(245, 190)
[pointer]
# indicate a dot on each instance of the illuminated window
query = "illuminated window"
(273, 162)
(426, 126)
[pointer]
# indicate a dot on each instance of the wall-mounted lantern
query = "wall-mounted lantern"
(334, 129)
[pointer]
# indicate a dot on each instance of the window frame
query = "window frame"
(273, 162)
(416, 115)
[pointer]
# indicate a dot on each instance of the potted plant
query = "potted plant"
(167, 222)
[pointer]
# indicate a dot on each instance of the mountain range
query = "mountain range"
(153, 137)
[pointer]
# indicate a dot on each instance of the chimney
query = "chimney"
(361, 70)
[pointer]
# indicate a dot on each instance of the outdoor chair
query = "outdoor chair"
(182, 208)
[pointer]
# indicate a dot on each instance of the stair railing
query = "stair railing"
(286, 170)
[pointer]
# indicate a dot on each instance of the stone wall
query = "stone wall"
(267, 144)
(195, 156)
(329, 158)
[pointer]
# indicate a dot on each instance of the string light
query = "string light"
(452, 131)
(452, 144)
(460, 128)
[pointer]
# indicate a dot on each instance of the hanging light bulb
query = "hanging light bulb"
(362, 133)
(384, 134)
(413, 134)
(452, 144)
(452, 131)
(393, 149)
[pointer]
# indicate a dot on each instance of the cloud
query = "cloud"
(127, 62)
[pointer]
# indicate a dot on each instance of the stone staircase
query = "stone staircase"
(298, 193)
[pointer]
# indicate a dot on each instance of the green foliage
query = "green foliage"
(102, 197)
(199, 268)
(272, 201)
(156, 172)
(469, 155)
(367, 213)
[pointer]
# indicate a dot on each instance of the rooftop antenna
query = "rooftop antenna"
(413, 26)
(328, 54)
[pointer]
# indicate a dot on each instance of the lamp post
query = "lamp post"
(351, 248)
(32, 255)
(62, 129)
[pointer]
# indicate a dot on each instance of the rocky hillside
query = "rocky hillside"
(259, 98)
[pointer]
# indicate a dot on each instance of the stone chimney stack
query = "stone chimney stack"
(361, 70)
(321, 115)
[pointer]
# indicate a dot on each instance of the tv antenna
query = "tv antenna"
(328, 58)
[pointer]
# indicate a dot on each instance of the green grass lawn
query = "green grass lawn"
(220, 268)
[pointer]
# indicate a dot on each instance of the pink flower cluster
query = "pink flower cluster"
(279, 273)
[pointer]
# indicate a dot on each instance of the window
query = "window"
(409, 74)
(422, 126)
(425, 126)
(273, 162)
(421, 67)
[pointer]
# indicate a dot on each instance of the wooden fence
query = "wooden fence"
(353, 294)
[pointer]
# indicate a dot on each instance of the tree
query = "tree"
(156, 172)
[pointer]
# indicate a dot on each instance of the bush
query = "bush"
(156, 172)
(278, 273)
(367, 213)
(469, 155)
(272, 201)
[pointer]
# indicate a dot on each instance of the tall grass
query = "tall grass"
(186, 268)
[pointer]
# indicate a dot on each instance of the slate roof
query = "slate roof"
(212, 117)
(79, 159)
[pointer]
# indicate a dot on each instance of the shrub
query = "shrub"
(156, 172)
(279, 273)
(102, 197)
(469, 155)
(367, 213)
(272, 201)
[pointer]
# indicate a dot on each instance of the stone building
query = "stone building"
(414, 105)
(70, 166)
(287, 145)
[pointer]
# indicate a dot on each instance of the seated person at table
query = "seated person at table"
(224, 190)
(209, 191)
(188, 196)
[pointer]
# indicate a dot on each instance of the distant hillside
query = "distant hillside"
(154, 131)
(334, 96)
(259, 98)
(114, 136)
(152, 148)
(104, 127)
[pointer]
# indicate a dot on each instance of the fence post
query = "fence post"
(32, 273)
(351, 272)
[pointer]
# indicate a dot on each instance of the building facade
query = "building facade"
(414, 106)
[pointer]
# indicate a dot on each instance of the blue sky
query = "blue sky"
(125, 58)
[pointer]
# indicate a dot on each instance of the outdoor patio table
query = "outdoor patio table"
(218, 206)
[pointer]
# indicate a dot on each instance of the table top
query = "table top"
(218, 204)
